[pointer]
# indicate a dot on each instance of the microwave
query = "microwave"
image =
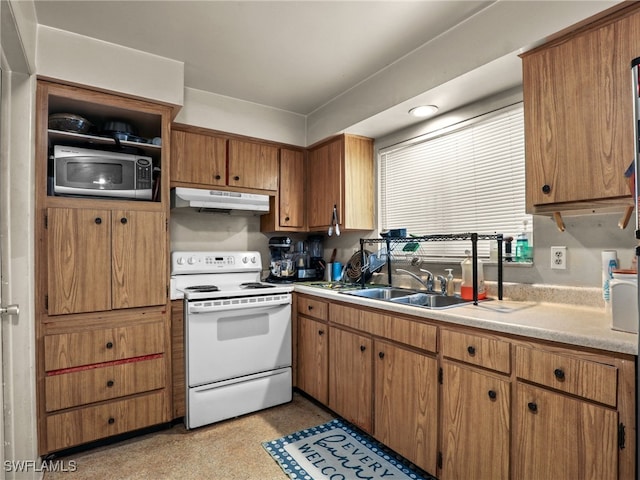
(81, 171)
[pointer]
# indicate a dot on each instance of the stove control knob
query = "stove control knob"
(245, 259)
(253, 259)
(191, 260)
(180, 261)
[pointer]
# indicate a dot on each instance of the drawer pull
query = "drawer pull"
(98, 221)
(362, 348)
(111, 420)
(381, 354)
(471, 349)
(559, 373)
(218, 177)
(320, 332)
(236, 178)
(533, 406)
(110, 383)
(109, 345)
(492, 394)
(123, 220)
(310, 307)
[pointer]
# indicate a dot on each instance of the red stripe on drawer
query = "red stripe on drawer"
(104, 364)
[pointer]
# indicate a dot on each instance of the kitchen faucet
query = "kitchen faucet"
(428, 284)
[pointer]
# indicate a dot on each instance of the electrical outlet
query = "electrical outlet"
(559, 258)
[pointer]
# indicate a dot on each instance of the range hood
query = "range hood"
(218, 201)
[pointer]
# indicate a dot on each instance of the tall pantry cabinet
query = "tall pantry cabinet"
(101, 296)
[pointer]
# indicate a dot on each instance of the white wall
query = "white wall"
(87, 61)
(217, 112)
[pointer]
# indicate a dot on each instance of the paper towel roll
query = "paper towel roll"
(609, 262)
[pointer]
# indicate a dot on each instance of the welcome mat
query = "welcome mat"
(338, 451)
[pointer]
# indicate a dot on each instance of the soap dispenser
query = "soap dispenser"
(451, 290)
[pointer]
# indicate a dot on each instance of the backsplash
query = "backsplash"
(521, 292)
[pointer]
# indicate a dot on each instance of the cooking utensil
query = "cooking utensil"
(333, 255)
(335, 220)
(69, 122)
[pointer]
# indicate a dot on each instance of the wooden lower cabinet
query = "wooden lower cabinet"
(468, 403)
(313, 358)
(350, 376)
(476, 421)
(178, 366)
(84, 425)
(406, 403)
(562, 437)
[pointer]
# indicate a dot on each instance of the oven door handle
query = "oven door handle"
(195, 309)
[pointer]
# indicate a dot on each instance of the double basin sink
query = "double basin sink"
(430, 300)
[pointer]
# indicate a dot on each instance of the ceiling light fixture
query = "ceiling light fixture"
(423, 110)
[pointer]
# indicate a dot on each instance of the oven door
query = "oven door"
(230, 338)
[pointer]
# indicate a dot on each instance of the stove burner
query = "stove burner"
(202, 288)
(255, 285)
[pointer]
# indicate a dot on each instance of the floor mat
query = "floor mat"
(337, 450)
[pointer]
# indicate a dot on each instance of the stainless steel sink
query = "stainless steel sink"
(381, 293)
(430, 300)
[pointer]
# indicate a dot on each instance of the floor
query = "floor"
(229, 450)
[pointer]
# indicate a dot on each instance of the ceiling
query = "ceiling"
(297, 56)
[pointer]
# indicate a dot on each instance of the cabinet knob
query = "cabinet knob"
(362, 348)
(286, 219)
(320, 332)
(492, 394)
(559, 373)
(98, 220)
(111, 420)
(471, 349)
(381, 354)
(109, 345)
(110, 383)
(236, 178)
(218, 177)
(532, 406)
(123, 220)
(310, 307)
(546, 189)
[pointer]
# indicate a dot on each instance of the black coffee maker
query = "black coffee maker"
(316, 252)
(282, 267)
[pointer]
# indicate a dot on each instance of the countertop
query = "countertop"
(568, 324)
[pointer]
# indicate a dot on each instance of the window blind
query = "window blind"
(466, 178)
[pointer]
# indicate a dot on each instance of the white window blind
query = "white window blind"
(466, 178)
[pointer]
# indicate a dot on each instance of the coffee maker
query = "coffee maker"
(316, 251)
(282, 266)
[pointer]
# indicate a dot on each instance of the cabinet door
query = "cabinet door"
(350, 377)
(406, 403)
(578, 115)
(198, 158)
(325, 174)
(476, 419)
(79, 260)
(313, 358)
(560, 437)
(139, 266)
(253, 165)
(291, 190)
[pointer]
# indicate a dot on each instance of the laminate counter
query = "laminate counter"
(568, 324)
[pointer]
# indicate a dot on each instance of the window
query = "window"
(466, 178)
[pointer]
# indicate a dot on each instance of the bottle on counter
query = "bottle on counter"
(522, 245)
(466, 288)
(451, 288)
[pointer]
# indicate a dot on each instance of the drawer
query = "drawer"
(81, 387)
(591, 380)
(84, 425)
(87, 347)
(313, 308)
(479, 350)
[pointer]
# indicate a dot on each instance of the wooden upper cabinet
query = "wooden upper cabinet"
(340, 173)
(579, 116)
(198, 159)
(102, 260)
(253, 165)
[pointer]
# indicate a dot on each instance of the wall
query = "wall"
(217, 112)
(86, 61)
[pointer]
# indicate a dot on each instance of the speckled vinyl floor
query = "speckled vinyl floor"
(229, 450)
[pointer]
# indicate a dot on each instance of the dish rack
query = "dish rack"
(408, 251)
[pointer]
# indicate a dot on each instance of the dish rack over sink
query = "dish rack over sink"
(407, 251)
